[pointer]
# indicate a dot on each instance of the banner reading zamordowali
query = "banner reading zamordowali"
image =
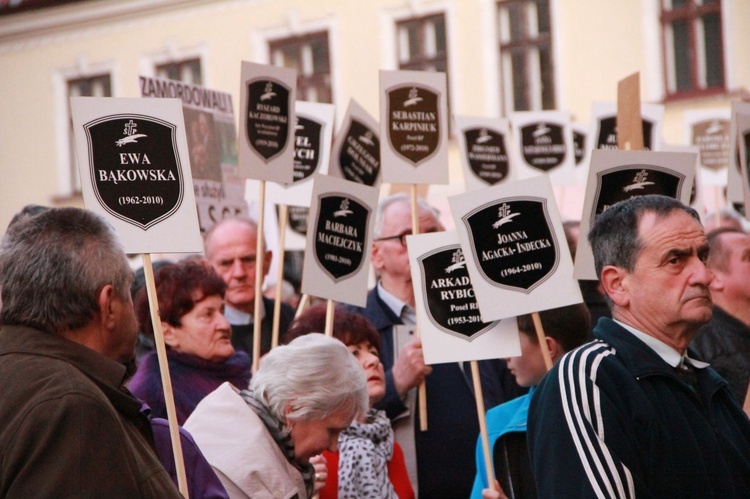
(266, 139)
(356, 148)
(515, 248)
(212, 142)
(450, 325)
(135, 171)
(619, 175)
(484, 147)
(339, 236)
(414, 127)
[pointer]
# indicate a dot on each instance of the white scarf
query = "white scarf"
(364, 452)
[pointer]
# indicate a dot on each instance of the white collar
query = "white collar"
(667, 353)
(240, 318)
(398, 307)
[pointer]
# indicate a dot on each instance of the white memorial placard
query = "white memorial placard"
(483, 145)
(212, 142)
(743, 140)
(414, 127)
(515, 248)
(135, 171)
(266, 139)
(296, 227)
(581, 144)
(543, 143)
(356, 148)
(312, 146)
(339, 239)
(735, 196)
(450, 325)
(603, 133)
(696, 191)
(619, 175)
(708, 129)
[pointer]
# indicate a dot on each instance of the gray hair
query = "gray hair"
(309, 379)
(614, 234)
(54, 264)
(242, 220)
(400, 197)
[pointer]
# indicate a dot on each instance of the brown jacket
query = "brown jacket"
(68, 426)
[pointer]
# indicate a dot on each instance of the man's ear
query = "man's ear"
(267, 257)
(376, 259)
(107, 307)
(555, 350)
(170, 337)
(615, 283)
(717, 283)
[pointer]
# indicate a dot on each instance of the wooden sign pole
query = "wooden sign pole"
(166, 380)
(422, 386)
(259, 257)
(746, 406)
(483, 425)
(329, 318)
(629, 122)
(284, 211)
(304, 301)
(542, 339)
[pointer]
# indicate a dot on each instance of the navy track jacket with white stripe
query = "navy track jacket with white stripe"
(613, 420)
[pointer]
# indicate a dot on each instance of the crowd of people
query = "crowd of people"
(644, 398)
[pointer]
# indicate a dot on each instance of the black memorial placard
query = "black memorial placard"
(413, 122)
(712, 137)
(543, 145)
(626, 182)
(307, 153)
(607, 138)
(451, 303)
(135, 167)
(359, 159)
(579, 146)
(513, 242)
(486, 154)
(267, 115)
(341, 232)
(297, 219)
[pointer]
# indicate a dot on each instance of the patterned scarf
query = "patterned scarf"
(282, 437)
(364, 452)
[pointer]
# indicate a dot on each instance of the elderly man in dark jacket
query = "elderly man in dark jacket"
(68, 425)
(635, 414)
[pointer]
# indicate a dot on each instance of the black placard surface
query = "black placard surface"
(267, 116)
(451, 303)
(135, 167)
(340, 234)
(486, 154)
(513, 242)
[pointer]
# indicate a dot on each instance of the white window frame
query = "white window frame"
(66, 187)
(261, 41)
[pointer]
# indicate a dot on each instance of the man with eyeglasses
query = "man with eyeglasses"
(230, 247)
(439, 460)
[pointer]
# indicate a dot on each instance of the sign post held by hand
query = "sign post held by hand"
(266, 149)
(135, 172)
(414, 141)
(312, 145)
(451, 327)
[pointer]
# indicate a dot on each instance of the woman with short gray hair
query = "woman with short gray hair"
(260, 440)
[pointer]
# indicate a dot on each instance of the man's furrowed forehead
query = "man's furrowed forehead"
(397, 218)
(675, 229)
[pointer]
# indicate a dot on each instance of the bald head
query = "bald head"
(231, 248)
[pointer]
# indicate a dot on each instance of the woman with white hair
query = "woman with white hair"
(260, 441)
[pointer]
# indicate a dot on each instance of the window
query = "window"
(526, 61)
(91, 86)
(188, 71)
(693, 53)
(422, 44)
(309, 55)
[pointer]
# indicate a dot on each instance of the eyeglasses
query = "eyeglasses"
(400, 237)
